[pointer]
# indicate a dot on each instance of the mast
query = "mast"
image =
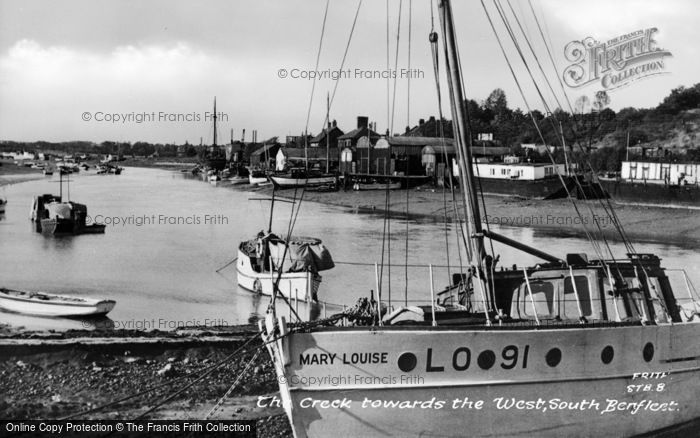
(306, 151)
(215, 121)
(461, 129)
(328, 120)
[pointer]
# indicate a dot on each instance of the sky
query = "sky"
(91, 69)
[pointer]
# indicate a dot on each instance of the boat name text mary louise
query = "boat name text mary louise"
(345, 358)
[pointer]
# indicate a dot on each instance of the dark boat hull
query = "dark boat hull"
(549, 188)
(57, 227)
(216, 163)
(647, 193)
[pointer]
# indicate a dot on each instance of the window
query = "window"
(569, 306)
(542, 295)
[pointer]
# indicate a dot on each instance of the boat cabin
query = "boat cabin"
(635, 291)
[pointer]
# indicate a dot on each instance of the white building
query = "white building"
(514, 171)
(662, 173)
(522, 171)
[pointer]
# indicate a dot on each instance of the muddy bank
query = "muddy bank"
(50, 376)
(680, 226)
(10, 173)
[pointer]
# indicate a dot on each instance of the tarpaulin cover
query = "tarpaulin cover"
(304, 254)
(62, 210)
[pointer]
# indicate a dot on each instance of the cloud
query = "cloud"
(69, 81)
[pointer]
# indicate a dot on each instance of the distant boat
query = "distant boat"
(239, 179)
(3, 203)
(67, 218)
(215, 156)
(48, 171)
(104, 169)
(213, 176)
(299, 177)
(257, 177)
(53, 216)
(376, 184)
(40, 303)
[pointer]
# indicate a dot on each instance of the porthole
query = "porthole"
(648, 352)
(607, 354)
(553, 357)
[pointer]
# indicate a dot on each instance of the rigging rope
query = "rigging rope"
(607, 209)
(233, 386)
(396, 65)
(537, 128)
(318, 59)
(434, 49)
(345, 53)
(610, 211)
(153, 388)
(408, 85)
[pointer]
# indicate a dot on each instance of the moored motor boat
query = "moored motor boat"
(300, 260)
(44, 304)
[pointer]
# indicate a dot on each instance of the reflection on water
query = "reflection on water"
(168, 234)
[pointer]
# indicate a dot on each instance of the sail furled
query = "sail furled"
(304, 254)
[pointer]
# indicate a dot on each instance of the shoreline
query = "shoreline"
(643, 223)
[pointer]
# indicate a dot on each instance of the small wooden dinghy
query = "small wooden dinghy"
(41, 303)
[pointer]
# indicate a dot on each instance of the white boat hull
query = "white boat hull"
(50, 308)
(257, 179)
(496, 383)
(302, 286)
(284, 182)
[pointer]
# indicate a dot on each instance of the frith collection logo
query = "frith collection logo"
(616, 62)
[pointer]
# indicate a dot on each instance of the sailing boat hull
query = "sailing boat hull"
(301, 286)
(284, 182)
(485, 382)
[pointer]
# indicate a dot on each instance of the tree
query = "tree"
(680, 99)
(582, 105)
(602, 100)
(497, 103)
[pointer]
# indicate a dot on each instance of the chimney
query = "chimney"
(432, 119)
(243, 136)
(408, 128)
(362, 121)
(231, 135)
(421, 122)
(335, 124)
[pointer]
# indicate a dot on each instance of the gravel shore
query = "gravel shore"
(53, 375)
